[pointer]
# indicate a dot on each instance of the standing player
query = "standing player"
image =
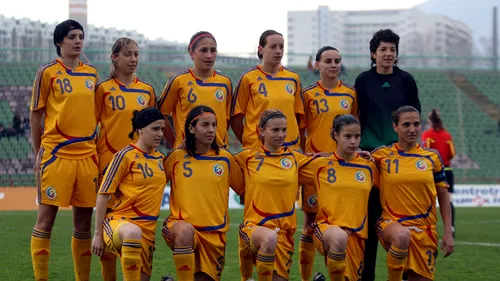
(66, 166)
(271, 186)
(196, 227)
(137, 178)
(343, 182)
(268, 85)
(381, 91)
(116, 99)
(200, 85)
(439, 139)
(410, 178)
(323, 101)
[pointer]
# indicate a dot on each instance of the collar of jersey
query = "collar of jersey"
(342, 159)
(268, 74)
(142, 151)
(80, 63)
(320, 84)
(282, 151)
(400, 149)
(121, 84)
(198, 78)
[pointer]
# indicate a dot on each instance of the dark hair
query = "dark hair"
(192, 119)
(404, 109)
(195, 39)
(383, 35)
(143, 118)
(342, 120)
(62, 31)
(119, 45)
(267, 115)
(437, 122)
(324, 49)
(263, 39)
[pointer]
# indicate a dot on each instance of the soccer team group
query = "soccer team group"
(96, 144)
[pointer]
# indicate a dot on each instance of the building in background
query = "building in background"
(350, 31)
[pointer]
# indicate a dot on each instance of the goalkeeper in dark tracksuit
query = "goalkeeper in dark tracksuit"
(381, 91)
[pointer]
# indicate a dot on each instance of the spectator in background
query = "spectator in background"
(310, 67)
(16, 125)
(3, 132)
(499, 125)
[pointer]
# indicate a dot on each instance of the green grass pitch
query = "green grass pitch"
(476, 257)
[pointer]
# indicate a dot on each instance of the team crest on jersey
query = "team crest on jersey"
(141, 100)
(219, 95)
(89, 84)
(51, 193)
(286, 163)
(360, 176)
(345, 104)
(313, 201)
(421, 165)
(289, 88)
(218, 169)
(160, 165)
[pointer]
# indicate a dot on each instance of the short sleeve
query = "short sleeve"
(439, 172)
(117, 170)
(241, 97)
(169, 96)
(41, 89)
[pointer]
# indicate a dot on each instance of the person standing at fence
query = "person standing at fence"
(268, 85)
(66, 165)
(323, 101)
(439, 138)
(116, 99)
(381, 91)
(137, 177)
(199, 85)
(411, 178)
(201, 175)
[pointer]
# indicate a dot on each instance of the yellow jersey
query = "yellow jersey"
(115, 104)
(408, 182)
(67, 96)
(257, 91)
(185, 91)
(343, 189)
(321, 107)
(138, 181)
(271, 185)
(200, 187)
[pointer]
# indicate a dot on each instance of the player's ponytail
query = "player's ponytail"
(191, 121)
(118, 46)
(436, 121)
(340, 122)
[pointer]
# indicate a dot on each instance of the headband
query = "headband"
(201, 114)
(272, 115)
(197, 38)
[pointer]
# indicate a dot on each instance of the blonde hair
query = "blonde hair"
(267, 115)
(119, 45)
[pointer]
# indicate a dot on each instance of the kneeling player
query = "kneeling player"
(411, 176)
(136, 176)
(343, 182)
(200, 174)
(271, 186)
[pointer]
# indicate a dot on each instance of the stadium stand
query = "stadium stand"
(475, 132)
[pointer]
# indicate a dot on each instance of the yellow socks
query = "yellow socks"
(265, 266)
(396, 263)
(81, 243)
(131, 259)
(40, 254)
(335, 263)
(184, 263)
(108, 266)
(306, 256)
